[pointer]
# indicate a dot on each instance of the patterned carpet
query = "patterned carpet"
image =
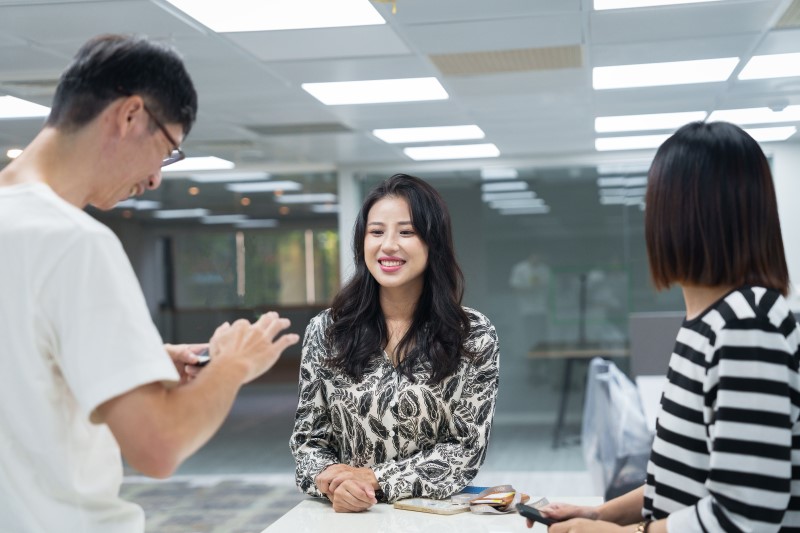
(211, 504)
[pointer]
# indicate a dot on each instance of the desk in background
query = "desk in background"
(572, 352)
(315, 515)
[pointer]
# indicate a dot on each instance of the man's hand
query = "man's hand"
(252, 346)
(350, 489)
(184, 358)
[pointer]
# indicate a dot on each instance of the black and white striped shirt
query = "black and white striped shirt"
(726, 455)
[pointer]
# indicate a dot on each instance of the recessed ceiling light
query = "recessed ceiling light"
(306, 198)
(600, 5)
(504, 186)
(622, 181)
(669, 73)
(376, 91)
(227, 177)
(140, 205)
(13, 153)
(624, 167)
(771, 66)
(623, 191)
(513, 195)
(655, 121)
(633, 142)
(11, 107)
(180, 213)
(246, 15)
(778, 133)
(258, 223)
(325, 208)
(514, 204)
(540, 210)
(223, 219)
(621, 200)
(264, 186)
(499, 173)
(757, 115)
(456, 151)
(199, 163)
(436, 133)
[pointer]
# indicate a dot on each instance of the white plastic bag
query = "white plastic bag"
(616, 439)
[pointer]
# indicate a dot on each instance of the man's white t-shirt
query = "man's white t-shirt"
(74, 332)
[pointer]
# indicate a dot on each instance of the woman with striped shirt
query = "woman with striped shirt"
(726, 456)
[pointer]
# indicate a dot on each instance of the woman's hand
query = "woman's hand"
(353, 496)
(349, 488)
(585, 525)
(565, 511)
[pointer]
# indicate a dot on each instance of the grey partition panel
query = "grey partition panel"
(652, 338)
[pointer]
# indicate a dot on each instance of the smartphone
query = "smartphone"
(532, 513)
(203, 358)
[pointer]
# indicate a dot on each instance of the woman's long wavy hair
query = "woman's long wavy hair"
(439, 328)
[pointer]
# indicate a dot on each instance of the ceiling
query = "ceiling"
(519, 69)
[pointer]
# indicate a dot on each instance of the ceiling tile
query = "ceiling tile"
(361, 41)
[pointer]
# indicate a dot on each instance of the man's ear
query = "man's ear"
(130, 115)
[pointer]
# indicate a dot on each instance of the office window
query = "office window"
(255, 268)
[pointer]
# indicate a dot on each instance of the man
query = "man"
(84, 374)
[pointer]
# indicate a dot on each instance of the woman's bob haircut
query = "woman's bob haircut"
(711, 216)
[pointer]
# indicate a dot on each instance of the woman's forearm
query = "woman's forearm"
(625, 509)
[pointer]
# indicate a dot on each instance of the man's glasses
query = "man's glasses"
(176, 154)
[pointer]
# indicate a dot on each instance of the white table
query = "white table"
(316, 515)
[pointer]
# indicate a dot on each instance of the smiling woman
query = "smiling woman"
(397, 382)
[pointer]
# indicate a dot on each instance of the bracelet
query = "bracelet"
(642, 526)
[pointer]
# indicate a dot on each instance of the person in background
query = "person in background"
(398, 381)
(530, 279)
(85, 375)
(726, 455)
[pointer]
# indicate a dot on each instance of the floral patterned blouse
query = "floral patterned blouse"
(419, 439)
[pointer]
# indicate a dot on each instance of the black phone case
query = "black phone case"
(529, 512)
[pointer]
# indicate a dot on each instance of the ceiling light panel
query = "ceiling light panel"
(601, 5)
(306, 198)
(12, 107)
(776, 134)
(512, 204)
(180, 213)
(258, 223)
(459, 151)
(659, 74)
(199, 163)
(513, 195)
(223, 219)
(325, 208)
(634, 142)
(376, 91)
(757, 115)
(429, 134)
(504, 186)
(771, 66)
(266, 186)
(535, 210)
(499, 173)
(266, 15)
(656, 121)
(228, 177)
